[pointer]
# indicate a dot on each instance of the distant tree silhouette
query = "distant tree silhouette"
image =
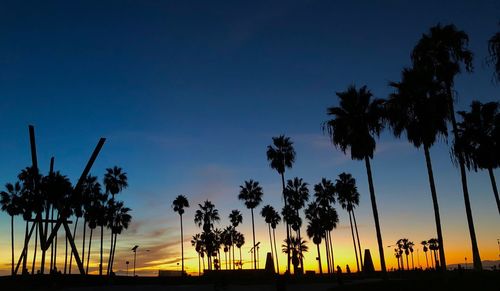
(181, 202)
(297, 195)
(268, 213)
(315, 229)
(425, 248)
(325, 193)
(434, 247)
(197, 242)
(281, 155)
(479, 138)
(356, 121)
(419, 108)
(205, 217)
(297, 248)
(9, 201)
(90, 188)
(94, 215)
(251, 193)
(444, 52)
(120, 221)
(494, 54)
(239, 240)
(235, 218)
(348, 197)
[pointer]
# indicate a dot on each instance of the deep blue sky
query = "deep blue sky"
(189, 94)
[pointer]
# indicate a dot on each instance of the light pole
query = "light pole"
(127, 262)
(134, 249)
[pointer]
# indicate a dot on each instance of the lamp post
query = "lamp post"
(134, 249)
(127, 262)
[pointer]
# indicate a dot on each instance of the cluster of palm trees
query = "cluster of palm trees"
(406, 247)
(53, 197)
(421, 107)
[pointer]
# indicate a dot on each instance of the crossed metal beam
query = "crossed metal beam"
(46, 242)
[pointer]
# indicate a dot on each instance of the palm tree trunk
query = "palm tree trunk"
(52, 244)
(494, 186)
(412, 262)
(100, 259)
(88, 252)
(319, 260)
(332, 254)
(12, 241)
(44, 249)
(276, 252)
(436, 206)
(286, 223)
(407, 263)
(110, 253)
(426, 260)
(375, 216)
(199, 265)
(354, 241)
(357, 237)
(475, 250)
(74, 236)
(254, 248)
(83, 243)
(182, 246)
(34, 251)
(66, 255)
(113, 254)
(25, 254)
(241, 263)
(327, 251)
(271, 242)
(300, 249)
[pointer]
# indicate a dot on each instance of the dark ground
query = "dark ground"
(421, 281)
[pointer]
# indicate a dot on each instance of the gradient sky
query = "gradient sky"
(189, 94)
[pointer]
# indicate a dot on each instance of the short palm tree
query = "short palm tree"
(181, 202)
(356, 122)
(121, 221)
(197, 243)
(479, 138)
(419, 108)
(434, 247)
(296, 248)
(268, 213)
(239, 240)
(205, 217)
(251, 193)
(281, 155)
(425, 249)
(90, 190)
(315, 229)
(348, 197)
(9, 201)
(235, 218)
(275, 220)
(325, 193)
(444, 53)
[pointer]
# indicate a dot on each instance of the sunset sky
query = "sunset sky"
(190, 93)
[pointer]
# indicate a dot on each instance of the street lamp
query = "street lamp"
(134, 249)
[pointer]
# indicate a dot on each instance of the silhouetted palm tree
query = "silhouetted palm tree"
(297, 248)
(419, 108)
(356, 121)
(239, 240)
(479, 138)
(9, 201)
(325, 197)
(425, 248)
(90, 189)
(268, 213)
(494, 51)
(121, 221)
(443, 52)
(235, 218)
(199, 248)
(275, 220)
(101, 220)
(434, 247)
(315, 229)
(281, 156)
(348, 197)
(178, 205)
(205, 217)
(251, 193)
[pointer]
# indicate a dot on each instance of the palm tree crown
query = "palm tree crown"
(281, 154)
(251, 193)
(180, 202)
(235, 218)
(115, 180)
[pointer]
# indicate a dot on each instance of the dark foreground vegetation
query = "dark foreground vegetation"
(453, 280)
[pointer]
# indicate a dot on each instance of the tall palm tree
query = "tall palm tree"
(494, 51)
(197, 243)
(325, 193)
(357, 120)
(425, 249)
(348, 197)
(479, 138)
(205, 217)
(90, 189)
(315, 229)
(444, 52)
(297, 195)
(419, 108)
(239, 240)
(115, 181)
(9, 201)
(251, 193)
(121, 221)
(281, 155)
(181, 202)
(235, 218)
